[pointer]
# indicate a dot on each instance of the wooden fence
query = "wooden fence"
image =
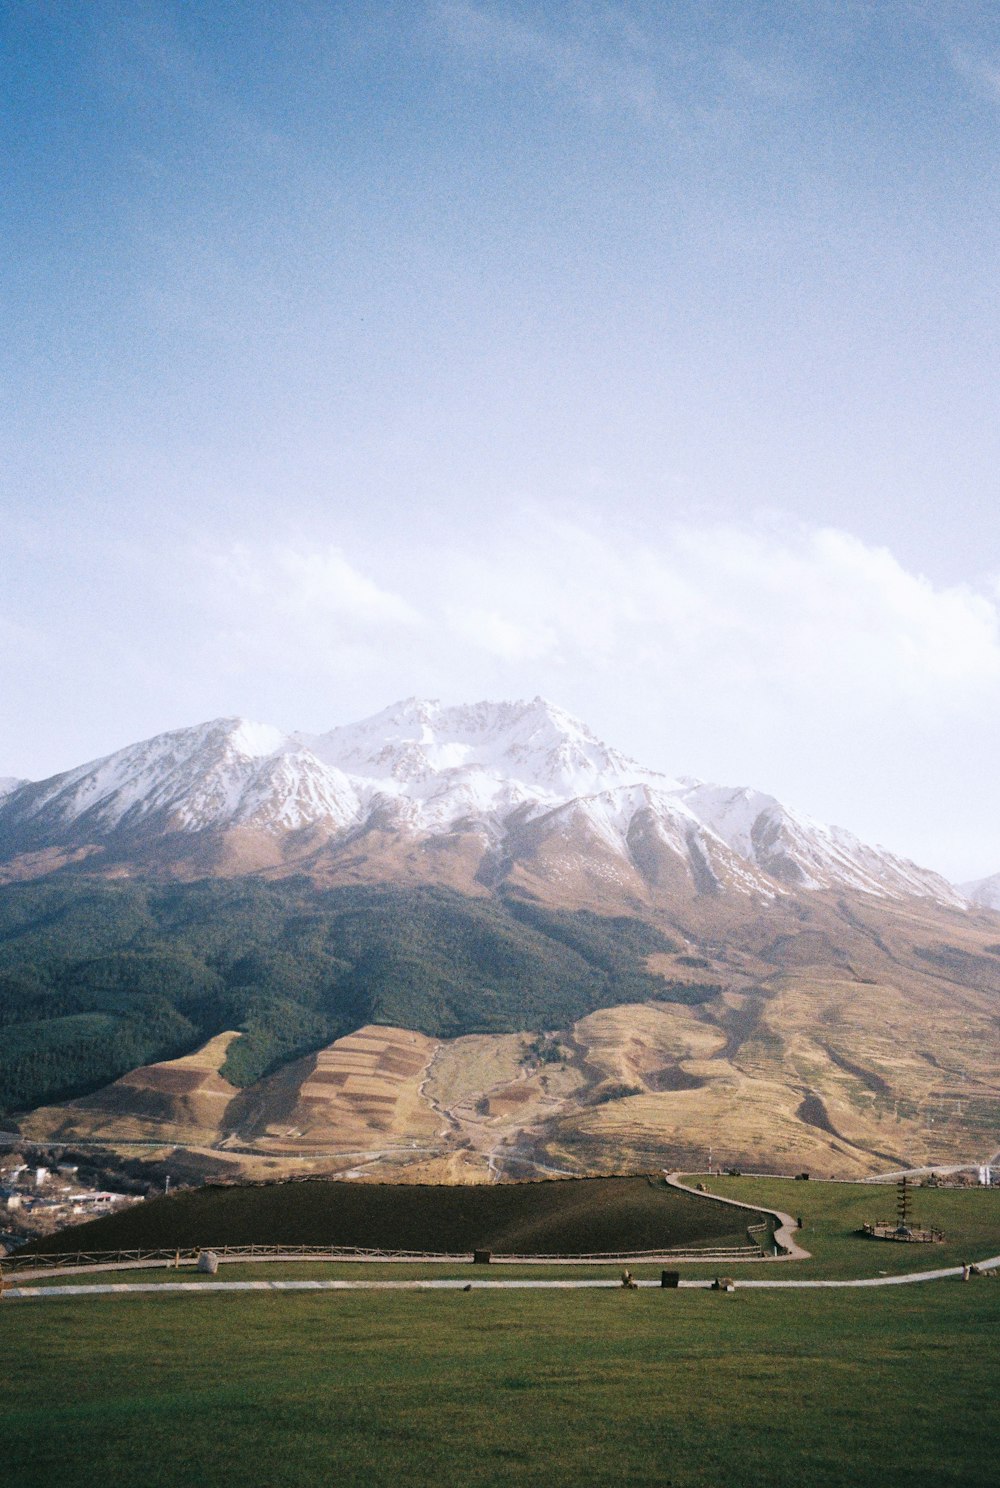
(97, 1259)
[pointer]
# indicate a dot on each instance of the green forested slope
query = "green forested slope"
(98, 977)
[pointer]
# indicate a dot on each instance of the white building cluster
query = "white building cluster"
(39, 1200)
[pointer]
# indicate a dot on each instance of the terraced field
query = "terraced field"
(363, 1091)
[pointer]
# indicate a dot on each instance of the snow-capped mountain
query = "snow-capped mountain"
(795, 849)
(225, 773)
(477, 762)
(415, 743)
(524, 779)
(984, 892)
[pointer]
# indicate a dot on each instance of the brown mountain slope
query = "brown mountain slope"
(847, 1002)
(176, 1101)
(846, 1038)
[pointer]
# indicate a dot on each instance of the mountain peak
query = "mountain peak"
(253, 740)
(983, 892)
(530, 750)
(424, 769)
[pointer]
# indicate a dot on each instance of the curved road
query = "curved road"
(785, 1230)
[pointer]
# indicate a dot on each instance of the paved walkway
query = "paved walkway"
(452, 1284)
(722, 1257)
(785, 1230)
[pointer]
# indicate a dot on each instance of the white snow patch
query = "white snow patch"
(984, 892)
(425, 768)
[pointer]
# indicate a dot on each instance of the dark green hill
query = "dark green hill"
(98, 977)
(563, 1216)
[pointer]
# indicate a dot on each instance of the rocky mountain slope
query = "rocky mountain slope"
(984, 892)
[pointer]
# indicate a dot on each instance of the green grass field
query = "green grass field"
(656, 1387)
(832, 1213)
(573, 1216)
(560, 1388)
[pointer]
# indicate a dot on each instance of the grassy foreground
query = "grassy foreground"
(650, 1388)
(647, 1388)
(833, 1213)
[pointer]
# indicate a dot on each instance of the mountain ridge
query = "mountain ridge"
(983, 892)
(612, 964)
(504, 781)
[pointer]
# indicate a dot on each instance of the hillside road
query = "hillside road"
(785, 1230)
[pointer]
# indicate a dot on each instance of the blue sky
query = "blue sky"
(641, 355)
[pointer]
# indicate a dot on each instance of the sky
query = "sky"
(644, 356)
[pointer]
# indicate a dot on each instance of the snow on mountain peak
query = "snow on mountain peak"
(520, 751)
(794, 849)
(983, 892)
(254, 740)
(428, 768)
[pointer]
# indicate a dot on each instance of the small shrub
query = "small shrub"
(619, 1090)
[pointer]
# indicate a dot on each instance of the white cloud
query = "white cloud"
(501, 636)
(599, 59)
(325, 583)
(298, 611)
(979, 69)
(312, 585)
(810, 614)
(820, 609)
(600, 55)
(799, 623)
